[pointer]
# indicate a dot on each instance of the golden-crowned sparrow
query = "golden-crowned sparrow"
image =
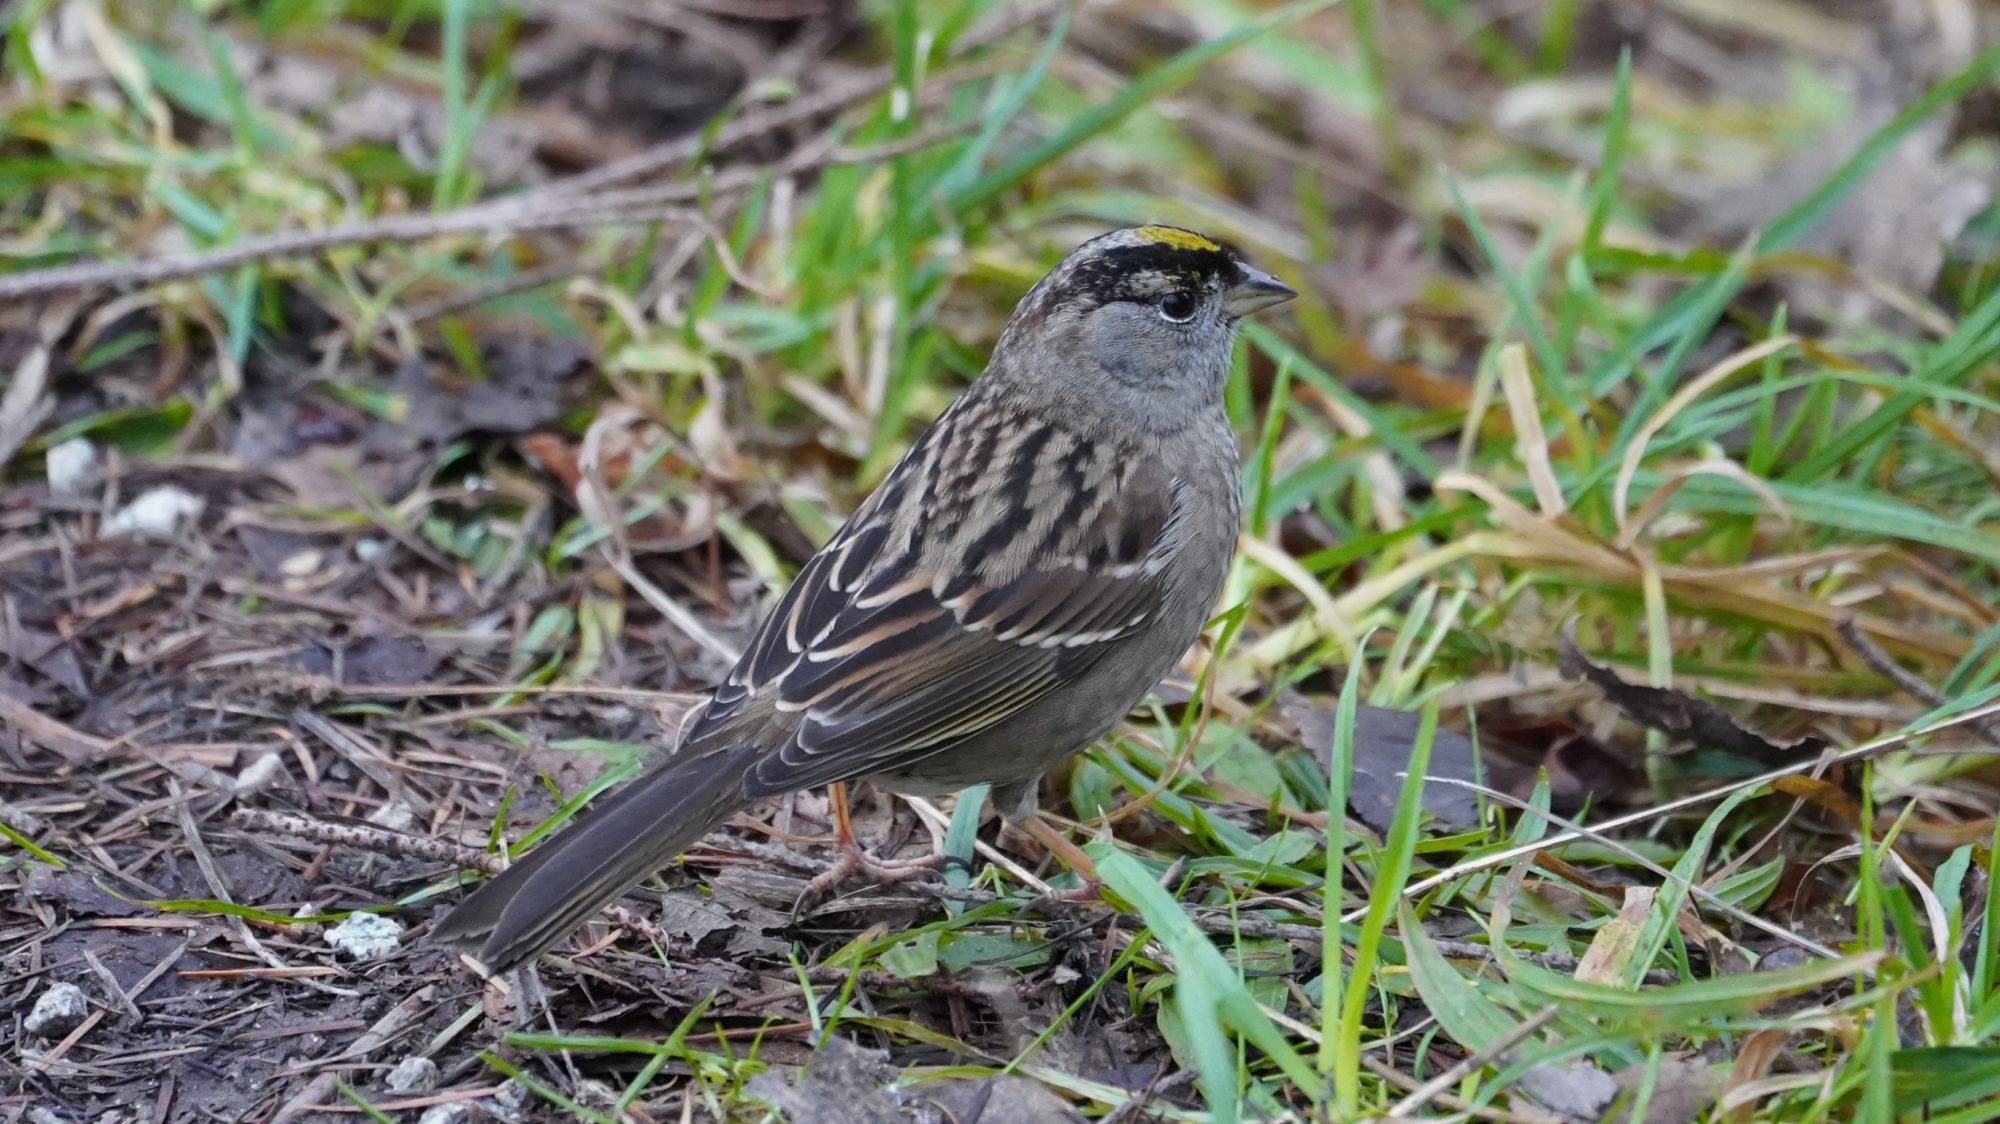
(1029, 570)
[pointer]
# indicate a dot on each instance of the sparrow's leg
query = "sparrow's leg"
(1018, 804)
(856, 860)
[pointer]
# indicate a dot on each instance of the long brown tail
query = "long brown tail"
(528, 907)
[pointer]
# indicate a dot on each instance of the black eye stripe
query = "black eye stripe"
(1142, 272)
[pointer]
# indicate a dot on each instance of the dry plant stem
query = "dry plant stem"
(1681, 804)
(1261, 928)
(212, 873)
(508, 216)
(1180, 760)
(49, 1060)
(112, 988)
(576, 690)
(638, 926)
(1699, 891)
(1886, 666)
(1058, 844)
(66, 742)
(1161, 1084)
(25, 403)
(570, 204)
(394, 843)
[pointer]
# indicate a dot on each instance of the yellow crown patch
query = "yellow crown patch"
(1177, 238)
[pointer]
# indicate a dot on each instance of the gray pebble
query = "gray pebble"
(58, 1011)
(413, 1075)
(364, 936)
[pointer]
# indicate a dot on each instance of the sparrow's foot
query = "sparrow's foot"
(855, 859)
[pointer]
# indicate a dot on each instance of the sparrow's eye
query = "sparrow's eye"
(1178, 306)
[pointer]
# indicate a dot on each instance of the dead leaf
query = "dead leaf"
(24, 404)
(46, 652)
(525, 388)
(1753, 1061)
(1683, 1090)
(1576, 1090)
(713, 926)
(1383, 740)
(1608, 960)
(687, 519)
(1693, 721)
(379, 660)
(1830, 798)
(842, 1082)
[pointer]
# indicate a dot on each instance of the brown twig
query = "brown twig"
(1261, 928)
(65, 741)
(1886, 666)
(25, 403)
(1161, 1084)
(505, 216)
(369, 837)
(578, 201)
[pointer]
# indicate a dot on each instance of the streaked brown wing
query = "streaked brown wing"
(876, 658)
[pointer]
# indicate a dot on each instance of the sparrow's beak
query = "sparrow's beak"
(1257, 289)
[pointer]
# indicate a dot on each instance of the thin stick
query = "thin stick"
(369, 837)
(1886, 666)
(1682, 804)
(507, 216)
(571, 203)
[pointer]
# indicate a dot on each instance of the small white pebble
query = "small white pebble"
(304, 564)
(395, 817)
(364, 936)
(415, 1074)
(259, 773)
(457, 1112)
(367, 550)
(307, 909)
(506, 1103)
(72, 468)
(158, 514)
(58, 1011)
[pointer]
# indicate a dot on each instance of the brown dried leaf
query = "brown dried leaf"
(1609, 957)
(1683, 1090)
(1691, 720)
(1383, 740)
